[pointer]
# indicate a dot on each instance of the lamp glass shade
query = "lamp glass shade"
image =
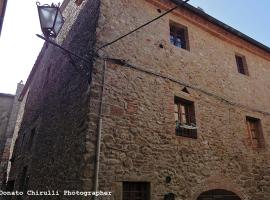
(51, 20)
(59, 21)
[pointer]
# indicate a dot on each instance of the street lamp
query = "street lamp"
(51, 19)
(51, 22)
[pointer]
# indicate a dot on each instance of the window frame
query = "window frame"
(177, 30)
(183, 112)
(256, 140)
(185, 127)
(127, 192)
(241, 68)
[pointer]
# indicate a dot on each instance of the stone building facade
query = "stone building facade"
(3, 5)
(9, 110)
(6, 101)
(177, 110)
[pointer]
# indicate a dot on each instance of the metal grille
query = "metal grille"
(241, 64)
(136, 191)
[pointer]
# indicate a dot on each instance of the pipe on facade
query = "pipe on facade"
(99, 130)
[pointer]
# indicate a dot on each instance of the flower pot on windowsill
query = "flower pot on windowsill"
(186, 130)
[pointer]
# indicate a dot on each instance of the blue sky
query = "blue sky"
(248, 16)
(19, 46)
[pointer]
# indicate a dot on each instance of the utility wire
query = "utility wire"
(147, 23)
(117, 39)
(66, 50)
(124, 63)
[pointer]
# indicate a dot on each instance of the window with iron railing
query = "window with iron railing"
(184, 114)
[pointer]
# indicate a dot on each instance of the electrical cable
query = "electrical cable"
(128, 65)
(66, 50)
(147, 23)
(124, 63)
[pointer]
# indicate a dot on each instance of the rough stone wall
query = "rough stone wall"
(15, 133)
(5, 147)
(57, 106)
(14, 111)
(138, 135)
(5, 110)
(6, 102)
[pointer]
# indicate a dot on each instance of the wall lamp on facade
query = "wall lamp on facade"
(51, 22)
(51, 19)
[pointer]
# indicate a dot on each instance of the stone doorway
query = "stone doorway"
(218, 194)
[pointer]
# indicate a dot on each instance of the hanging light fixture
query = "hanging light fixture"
(51, 22)
(51, 19)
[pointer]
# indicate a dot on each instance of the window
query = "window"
(179, 36)
(136, 191)
(254, 132)
(241, 64)
(31, 139)
(184, 114)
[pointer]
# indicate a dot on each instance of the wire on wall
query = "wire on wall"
(128, 65)
(145, 24)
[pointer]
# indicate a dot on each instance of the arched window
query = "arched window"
(218, 194)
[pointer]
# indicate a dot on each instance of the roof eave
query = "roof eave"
(222, 25)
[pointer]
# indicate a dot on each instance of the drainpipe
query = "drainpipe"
(99, 130)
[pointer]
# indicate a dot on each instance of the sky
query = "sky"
(19, 46)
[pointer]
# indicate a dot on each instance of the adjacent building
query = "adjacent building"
(9, 112)
(177, 110)
(3, 4)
